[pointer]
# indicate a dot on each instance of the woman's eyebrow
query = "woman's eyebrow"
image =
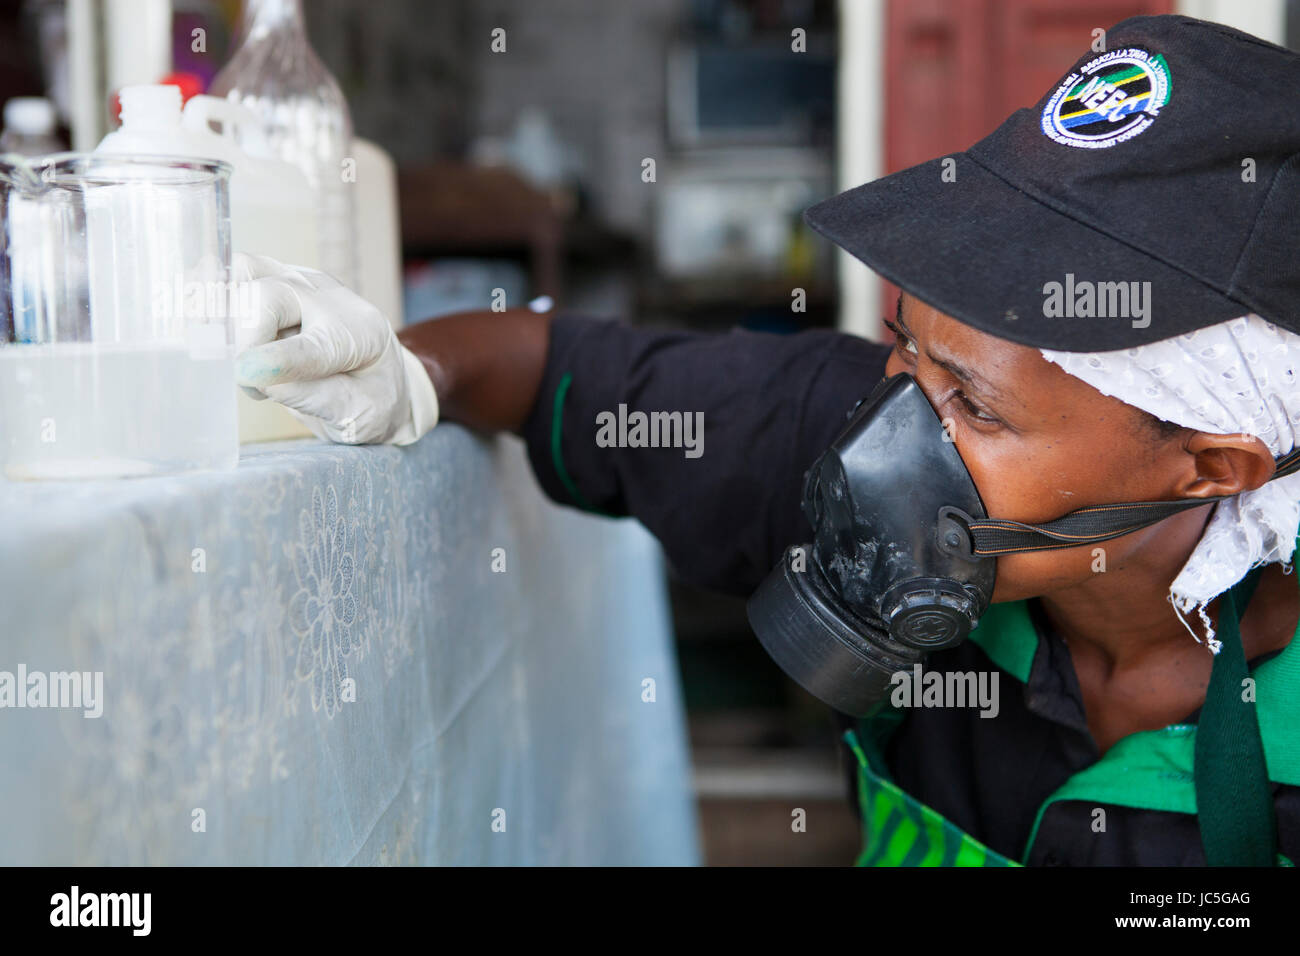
(967, 376)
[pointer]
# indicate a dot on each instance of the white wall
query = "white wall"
(1266, 19)
(860, 147)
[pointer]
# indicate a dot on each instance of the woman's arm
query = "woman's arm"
(724, 500)
(485, 366)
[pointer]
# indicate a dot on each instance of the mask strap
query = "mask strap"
(994, 536)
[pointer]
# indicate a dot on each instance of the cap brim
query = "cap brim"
(983, 252)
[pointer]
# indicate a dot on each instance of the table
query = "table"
(339, 655)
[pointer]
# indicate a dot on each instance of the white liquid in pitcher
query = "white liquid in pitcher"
(79, 411)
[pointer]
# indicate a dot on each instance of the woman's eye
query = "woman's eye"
(904, 345)
(974, 411)
(902, 341)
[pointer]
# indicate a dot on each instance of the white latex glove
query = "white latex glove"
(329, 356)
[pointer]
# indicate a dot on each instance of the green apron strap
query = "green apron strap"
(1233, 798)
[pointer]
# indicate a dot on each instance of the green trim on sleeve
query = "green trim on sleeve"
(557, 458)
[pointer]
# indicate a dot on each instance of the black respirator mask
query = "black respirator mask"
(904, 555)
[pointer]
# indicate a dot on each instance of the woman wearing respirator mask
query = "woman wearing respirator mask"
(1076, 479)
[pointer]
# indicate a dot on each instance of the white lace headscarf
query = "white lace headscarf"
(1240, 376)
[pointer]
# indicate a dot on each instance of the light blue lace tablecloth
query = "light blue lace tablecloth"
(500, 717)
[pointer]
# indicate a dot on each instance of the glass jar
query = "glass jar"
(116, 317)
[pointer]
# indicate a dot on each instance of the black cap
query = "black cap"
(1166, 167)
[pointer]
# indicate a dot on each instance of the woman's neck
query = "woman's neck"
(1125, 615)
(1124, 612)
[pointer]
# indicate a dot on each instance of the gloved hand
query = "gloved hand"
(343, 374)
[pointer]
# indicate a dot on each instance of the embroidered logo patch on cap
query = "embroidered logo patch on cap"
(1108, 100)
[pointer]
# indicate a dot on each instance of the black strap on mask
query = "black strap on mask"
(994, 536)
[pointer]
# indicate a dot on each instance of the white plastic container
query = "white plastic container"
(29, 127)
(272, 208)
(379, 234)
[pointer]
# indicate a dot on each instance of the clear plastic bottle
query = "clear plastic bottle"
(29, 127)
(276, 74)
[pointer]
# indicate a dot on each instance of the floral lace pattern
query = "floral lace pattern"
(323, 609)
(310, 660)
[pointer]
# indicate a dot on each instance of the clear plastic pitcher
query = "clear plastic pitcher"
(117, 317)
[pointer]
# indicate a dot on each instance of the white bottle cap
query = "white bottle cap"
(150, 105)
(29, 116)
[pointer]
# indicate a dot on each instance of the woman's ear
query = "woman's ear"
(1225, 465)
